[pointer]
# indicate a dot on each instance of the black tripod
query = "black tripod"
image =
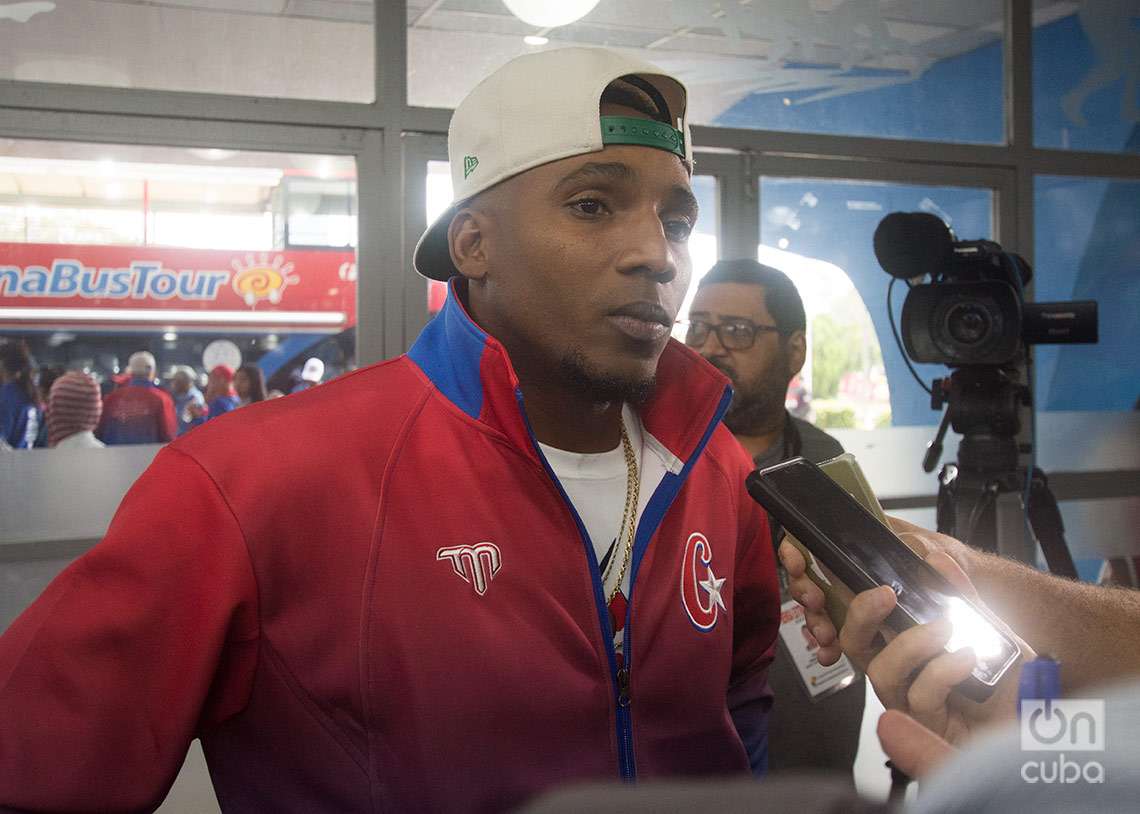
(982, 404)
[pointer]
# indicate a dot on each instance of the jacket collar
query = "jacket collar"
(472, 370)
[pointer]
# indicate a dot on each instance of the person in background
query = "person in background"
(189, 403)
(74, 407)
(220, 395)
(139, 412)
(311, 374)
(20, 412)
(748, 321)
(249, 383)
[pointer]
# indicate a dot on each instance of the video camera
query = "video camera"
(973, 310)
(972, 315)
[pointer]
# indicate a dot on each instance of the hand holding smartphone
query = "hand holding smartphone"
(863, 553)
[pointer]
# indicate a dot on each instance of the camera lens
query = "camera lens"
(968, 323)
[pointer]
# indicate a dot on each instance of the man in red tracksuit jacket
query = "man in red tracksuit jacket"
(414, 609)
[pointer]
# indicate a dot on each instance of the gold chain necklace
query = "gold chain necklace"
(629, 514)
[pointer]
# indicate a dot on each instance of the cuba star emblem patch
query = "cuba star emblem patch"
(701, 589)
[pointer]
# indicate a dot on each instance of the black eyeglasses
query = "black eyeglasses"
(737, 334)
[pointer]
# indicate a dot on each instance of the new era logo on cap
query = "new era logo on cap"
(544, 107)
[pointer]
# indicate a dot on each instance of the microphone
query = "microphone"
(911, 244)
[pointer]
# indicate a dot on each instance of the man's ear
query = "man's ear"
(466, 239)
(797, 352)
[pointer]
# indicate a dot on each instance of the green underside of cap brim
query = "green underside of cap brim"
(644, 133)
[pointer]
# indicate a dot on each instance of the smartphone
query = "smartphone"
(844, 470)
(863, 553)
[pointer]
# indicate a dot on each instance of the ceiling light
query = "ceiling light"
(534, 39)
(550, 13)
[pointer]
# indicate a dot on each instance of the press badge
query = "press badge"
(818, 681)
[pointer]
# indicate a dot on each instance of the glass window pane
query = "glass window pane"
(1088, 248)
(901, 70)
(305, 49)
(819, 232)
(200, 257)
(321, 211)
(702, 242)
(1086, 70)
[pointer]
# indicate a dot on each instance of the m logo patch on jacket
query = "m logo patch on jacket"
(701, 589)
(476, 564)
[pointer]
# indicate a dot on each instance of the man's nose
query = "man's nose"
(649, 249)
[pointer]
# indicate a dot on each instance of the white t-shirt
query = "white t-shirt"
(596, 485)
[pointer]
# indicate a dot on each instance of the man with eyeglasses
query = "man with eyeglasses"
(747, 319)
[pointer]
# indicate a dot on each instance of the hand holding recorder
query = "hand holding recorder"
(939, 645)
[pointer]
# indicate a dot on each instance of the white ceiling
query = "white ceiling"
(722, 49)
(323, 49)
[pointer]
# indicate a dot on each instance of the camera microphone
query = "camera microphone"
(911, 244)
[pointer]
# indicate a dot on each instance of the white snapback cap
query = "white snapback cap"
(539, 108)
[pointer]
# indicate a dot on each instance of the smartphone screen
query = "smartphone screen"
(871, 548)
